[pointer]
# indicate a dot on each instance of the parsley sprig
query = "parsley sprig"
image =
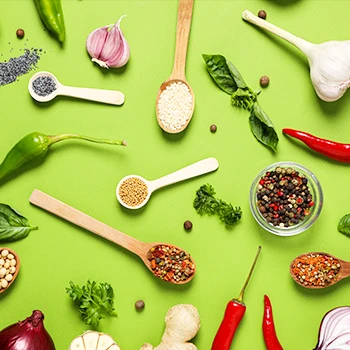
(206, 203)
(93, 301)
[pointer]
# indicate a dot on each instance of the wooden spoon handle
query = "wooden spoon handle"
(85, 221)
(345, 269)
(112, 97)
(185, 9)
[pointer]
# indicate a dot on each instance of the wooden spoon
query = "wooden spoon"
(17, 266)
(112, 97)
(344, 271)
(142, 249)
(185, 9)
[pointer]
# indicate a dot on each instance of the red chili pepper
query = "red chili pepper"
(234, 313)
(331, 149)
(270, 336)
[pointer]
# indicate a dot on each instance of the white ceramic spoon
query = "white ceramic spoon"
(202, 167)
(112, 97)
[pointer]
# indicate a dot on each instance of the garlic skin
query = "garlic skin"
(108, 47)
(329, 61)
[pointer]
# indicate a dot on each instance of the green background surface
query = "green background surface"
(85, 175)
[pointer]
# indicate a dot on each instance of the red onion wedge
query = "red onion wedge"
(334, 333)
(29, 334)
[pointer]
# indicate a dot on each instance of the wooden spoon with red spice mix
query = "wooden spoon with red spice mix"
(165, 261)
(316, 270)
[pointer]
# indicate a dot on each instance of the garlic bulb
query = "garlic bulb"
(108, 47)
(92, 340)
(329, 62)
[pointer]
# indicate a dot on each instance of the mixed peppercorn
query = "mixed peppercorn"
(316, 269)
(171, 264)
(283, 197)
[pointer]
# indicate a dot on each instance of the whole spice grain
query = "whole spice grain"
(264, 81)
(17, 66)
(175, 106)
(283, 197)
(262, 14)
(188, 225)
(20, 33)
(44, 85)
(316, 269)
(140, 305)
(213, 128)
(7, 268)
(171, 264)
(133, 191)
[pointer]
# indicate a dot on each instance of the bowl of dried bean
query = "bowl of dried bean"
(286, 198)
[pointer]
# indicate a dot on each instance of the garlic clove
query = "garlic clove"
(108, 47)
(105, 342)
(93, 340)
(90, 340)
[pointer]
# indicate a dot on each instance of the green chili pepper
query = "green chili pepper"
(50, 12)
(35, 146)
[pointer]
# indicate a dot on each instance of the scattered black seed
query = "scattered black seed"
(44, 85)
(264, 81)
(17, 66)
(213, 128)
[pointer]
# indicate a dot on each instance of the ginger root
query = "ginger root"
(182, 323)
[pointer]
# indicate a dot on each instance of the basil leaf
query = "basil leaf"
(236, 75)
(262, 127)
(344, 225)
(220, 72)
(13, 225)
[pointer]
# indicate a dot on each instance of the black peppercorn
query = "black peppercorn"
(262, 14)
(139, 305)
(188, 225)
(264, 81)
(20, 33)
(213, 128)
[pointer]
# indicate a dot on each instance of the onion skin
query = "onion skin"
(29, 334)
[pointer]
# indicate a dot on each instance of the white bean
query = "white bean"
(10, 256)
(5, 252)
(2, 262)
(13, 262)
(7, 265)
(12, 269)
(8, 277)
(4, 283)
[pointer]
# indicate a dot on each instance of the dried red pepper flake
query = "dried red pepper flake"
(172, 265)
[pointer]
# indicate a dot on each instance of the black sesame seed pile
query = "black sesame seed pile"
(283, 197)
(44, 85)
(17, 66)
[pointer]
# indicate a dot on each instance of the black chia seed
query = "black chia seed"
(17, 66)
(44, 85)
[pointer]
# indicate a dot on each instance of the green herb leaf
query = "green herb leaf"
(206, 203)
(262, 127)
(236, 75)
(220, 72)
(244, 98)
(344, 225)
(94, 300)
(13, 226)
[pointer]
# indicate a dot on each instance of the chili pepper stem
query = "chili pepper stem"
(241, 295)
(56, 138)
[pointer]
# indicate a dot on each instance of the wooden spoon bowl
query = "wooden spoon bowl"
(185, 10)
(17, 266)
(344, 271)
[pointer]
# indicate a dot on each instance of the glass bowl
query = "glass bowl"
(295, 228)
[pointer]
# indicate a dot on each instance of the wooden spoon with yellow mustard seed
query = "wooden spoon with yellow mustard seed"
(9, 268)
(175, 99)
(153, 255)
(134, 191)
(316, 270)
